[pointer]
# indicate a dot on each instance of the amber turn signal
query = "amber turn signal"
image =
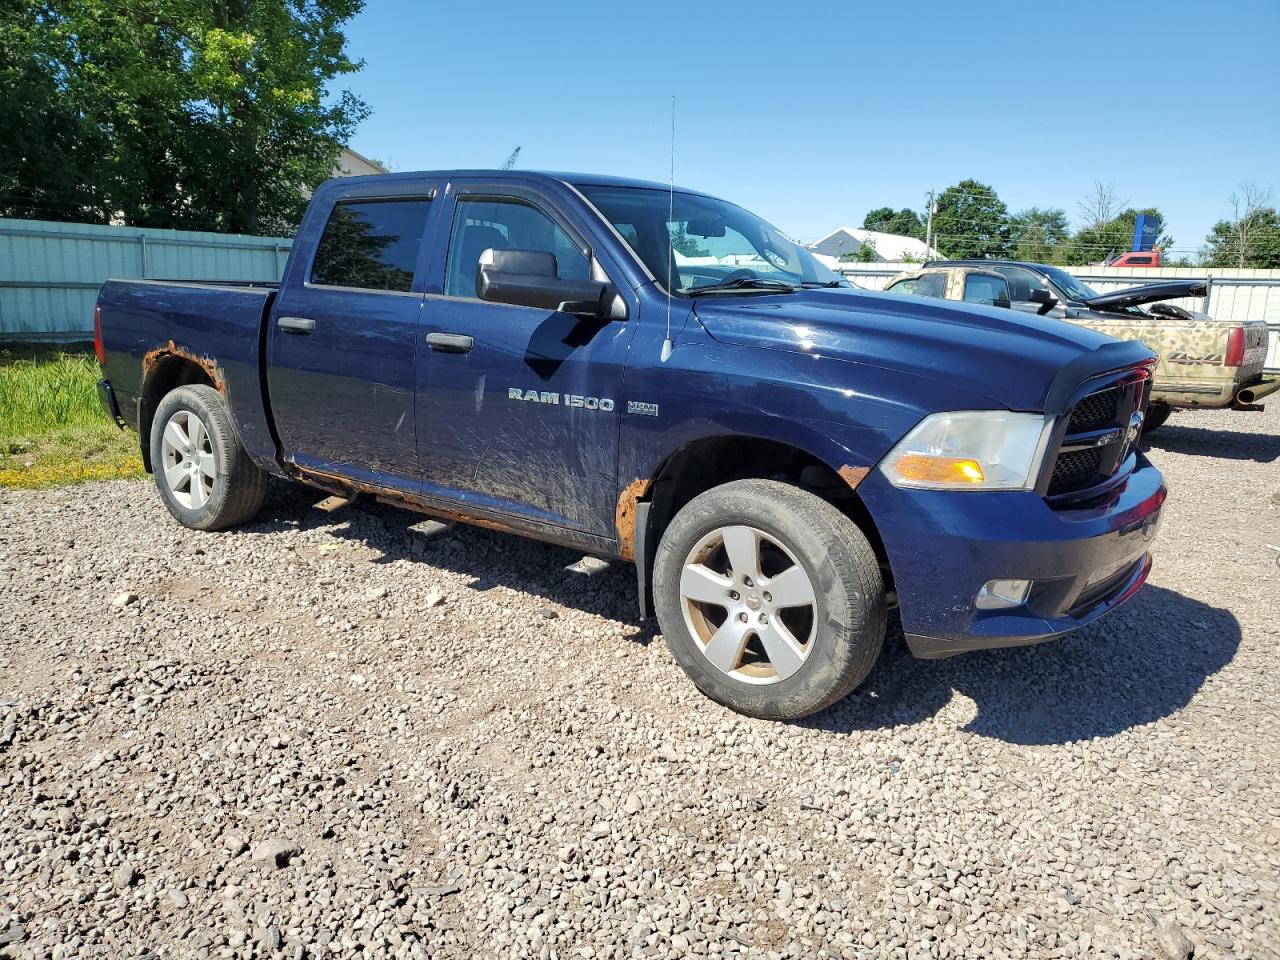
(931, 469)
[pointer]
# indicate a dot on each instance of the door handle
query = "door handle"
(299, 325)
(450, 342)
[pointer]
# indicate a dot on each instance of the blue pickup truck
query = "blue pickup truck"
(659, 376)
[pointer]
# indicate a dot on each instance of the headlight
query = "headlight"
(971, 450)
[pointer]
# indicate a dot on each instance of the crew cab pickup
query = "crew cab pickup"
(781, 456)
(1201, 362)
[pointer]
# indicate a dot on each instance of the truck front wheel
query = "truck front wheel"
(770, 598)
(1157, 414)
(204, 476)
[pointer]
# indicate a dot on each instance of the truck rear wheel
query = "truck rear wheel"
(204, 476)
(770, 598)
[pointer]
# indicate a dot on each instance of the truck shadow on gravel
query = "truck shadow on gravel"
(1139, 664)
(1142, 662)
(487, 559)
(1224, 444)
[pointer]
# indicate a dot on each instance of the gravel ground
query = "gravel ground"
(363, 734)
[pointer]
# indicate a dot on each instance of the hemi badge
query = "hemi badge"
(644, 409)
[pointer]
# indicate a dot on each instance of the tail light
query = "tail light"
(97, 336)
(1235, 347)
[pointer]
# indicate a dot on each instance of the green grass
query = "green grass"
(53, 431)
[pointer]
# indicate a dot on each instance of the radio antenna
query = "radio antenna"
(671, 206)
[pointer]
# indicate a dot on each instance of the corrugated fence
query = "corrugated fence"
(50, 272)
(1233, 294)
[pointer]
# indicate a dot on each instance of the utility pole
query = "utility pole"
(928, 230)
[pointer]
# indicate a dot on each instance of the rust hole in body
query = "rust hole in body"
(210, 366)
(625, 517)
(853, 475)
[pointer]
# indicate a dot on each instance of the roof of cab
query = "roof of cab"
(518, 176)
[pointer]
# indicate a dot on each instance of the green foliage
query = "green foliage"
(866, 252)
(686, 245)
(52, 428)
(1038, 233)
(172, 113)
(1095, 244)
(904, 222)
(971, 221)
(1251, 241)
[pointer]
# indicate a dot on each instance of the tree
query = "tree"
(1251, 238)
(1099, 207)
(686, 245)
(1038, 233)
(971, 221)
(867, 251)
(1226, 244)
(904, 222)
(1095, 244)
(212, 116)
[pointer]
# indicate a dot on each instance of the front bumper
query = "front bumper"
(943, 547)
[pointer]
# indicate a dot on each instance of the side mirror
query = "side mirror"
(527, 278)
(1046, 300)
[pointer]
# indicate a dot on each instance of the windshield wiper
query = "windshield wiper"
(818, 284)
(743, 283)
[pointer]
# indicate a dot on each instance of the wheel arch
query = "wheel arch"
(647, 505)
(163, 371)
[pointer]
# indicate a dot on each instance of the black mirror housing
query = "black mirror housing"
(527, 278)
(1046, 300)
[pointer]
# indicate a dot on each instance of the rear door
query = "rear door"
(342, 340)
(518, 406)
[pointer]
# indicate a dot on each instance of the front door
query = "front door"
(342, 344)
(518, 406)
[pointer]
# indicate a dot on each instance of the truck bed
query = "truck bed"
(218, 324)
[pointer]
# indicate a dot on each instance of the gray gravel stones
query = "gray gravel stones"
(500, 784)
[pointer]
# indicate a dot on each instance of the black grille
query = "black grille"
(1095, 442)
(1074, 469)
(1095, 411)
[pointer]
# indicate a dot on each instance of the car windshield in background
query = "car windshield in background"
(1073, 288)
(707, 244)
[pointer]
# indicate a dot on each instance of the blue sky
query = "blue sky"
(810, 114)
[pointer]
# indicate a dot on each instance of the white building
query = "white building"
(887, 246)
(352, 164)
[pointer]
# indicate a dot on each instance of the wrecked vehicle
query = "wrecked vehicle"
(783, 458)
(1202, 362)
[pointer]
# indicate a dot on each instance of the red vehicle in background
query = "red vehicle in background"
(1133, 258)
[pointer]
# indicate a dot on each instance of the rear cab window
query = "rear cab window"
(371, 244)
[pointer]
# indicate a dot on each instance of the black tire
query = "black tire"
(847, 618)
(238, 486)
(1157, 414)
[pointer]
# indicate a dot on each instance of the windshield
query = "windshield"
(706, 242)
(1073, 288)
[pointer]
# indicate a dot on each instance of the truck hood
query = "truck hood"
(1147, 293)
(1010, 357)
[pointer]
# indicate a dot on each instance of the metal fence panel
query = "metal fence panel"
(50, 272)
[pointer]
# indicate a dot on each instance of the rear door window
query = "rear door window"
(926, 285)
(371, 245)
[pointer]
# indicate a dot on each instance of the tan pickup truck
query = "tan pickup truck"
(1202, 362)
